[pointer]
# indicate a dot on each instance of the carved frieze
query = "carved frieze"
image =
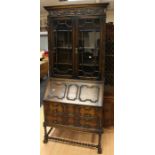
(77, 12)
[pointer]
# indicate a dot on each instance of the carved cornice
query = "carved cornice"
(77, 12)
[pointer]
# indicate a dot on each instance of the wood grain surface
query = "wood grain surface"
(56, 148)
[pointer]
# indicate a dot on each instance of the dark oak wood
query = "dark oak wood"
(74, 104)
(77, 6)
(77, 40)
(108, 110)
(75, 91)
(109, 55)
(108, 107)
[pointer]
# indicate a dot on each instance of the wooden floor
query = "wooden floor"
(57, 148)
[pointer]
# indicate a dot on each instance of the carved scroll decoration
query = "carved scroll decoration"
(77, 12)
(72, 92)
(56, 94)
(92, 93)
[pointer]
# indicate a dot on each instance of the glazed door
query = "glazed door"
(62, 47)
(88, 50)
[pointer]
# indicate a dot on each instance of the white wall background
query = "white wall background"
(43, 41)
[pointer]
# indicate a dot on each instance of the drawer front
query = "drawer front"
(69, 121)
(54, 119)
(70, 110)
(56, 108)
(86, 111)
(53, 108)
(72, 115)
(90, 123)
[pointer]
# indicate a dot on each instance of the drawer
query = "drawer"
(70, 109)
(53, 108)
(70, 121)
(88, 111)
(56, 108)
(90, 123)
(54, 119)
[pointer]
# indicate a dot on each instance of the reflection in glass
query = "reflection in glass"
(62, 47)
(89, 52)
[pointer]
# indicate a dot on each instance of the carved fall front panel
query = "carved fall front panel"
(74, 92)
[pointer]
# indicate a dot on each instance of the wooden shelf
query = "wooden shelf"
(62, 30)
(63, 64)
(90, 30)
(88, 48)
(89, 65)
(87, 78)
(63, 48)
(109, 55)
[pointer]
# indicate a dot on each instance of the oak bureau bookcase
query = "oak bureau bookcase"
(74, 94)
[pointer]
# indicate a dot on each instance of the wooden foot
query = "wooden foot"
(45, 140)
(100, 150)
(45, 134)
(99, 144)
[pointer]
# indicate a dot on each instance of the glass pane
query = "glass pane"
(89, 47)
(62, 46)
(63, 39)
(89, 52)
(89, 22)
(89, 38)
